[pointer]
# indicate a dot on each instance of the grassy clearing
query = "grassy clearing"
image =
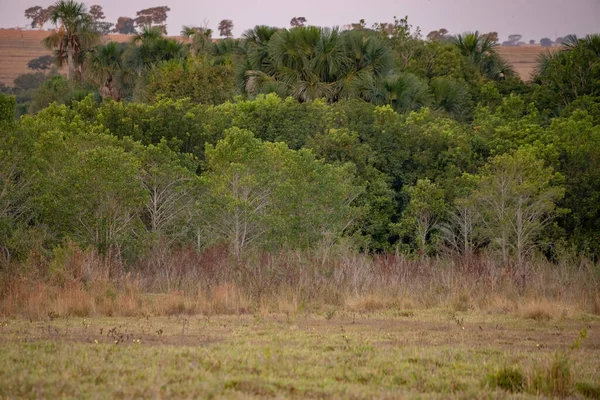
(386, 354)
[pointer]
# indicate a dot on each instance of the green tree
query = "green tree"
(153, 17)
(125, 26)
(41, 63)
(86, 184)
(339, 147)
(171, 184)
(424, 212)
(38, 15)
(226, 28)
(55, 89)
(405, 92)
(265, 193)
(29, 81)
(15, 207)
(571, 145)
(198, 79)
(518, 197)
(572, 72)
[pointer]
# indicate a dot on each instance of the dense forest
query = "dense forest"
(309, 139)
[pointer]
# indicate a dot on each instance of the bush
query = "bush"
(510, 379)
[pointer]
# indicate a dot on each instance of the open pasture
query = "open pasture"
(335, 354)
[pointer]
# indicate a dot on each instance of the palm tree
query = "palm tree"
(106, 70)
(75, 32)
(200, 37)
(149, 48)
(369, 61)
(573, 71)
(257, 40)
(589, 44)
(474, 46)
(406, 92)
(480, 50)
(451, 96)
(308, 63)
(147, 34)
(292, 55)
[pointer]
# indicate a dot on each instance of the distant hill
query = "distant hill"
(19, 46)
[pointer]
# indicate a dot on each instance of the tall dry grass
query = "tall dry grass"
(80, 283)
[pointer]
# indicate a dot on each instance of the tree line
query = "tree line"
(301, 138)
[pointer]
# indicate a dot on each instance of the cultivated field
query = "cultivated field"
(17, 47)
(397, 353)
(523, 58)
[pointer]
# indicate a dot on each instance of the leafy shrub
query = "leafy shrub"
(511, 379)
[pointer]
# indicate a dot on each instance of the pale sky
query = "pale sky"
(533, 19)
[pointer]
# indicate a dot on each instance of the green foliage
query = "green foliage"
(480, 51)
(438, 58)
(29, 81)
(402, 127)
(588, 390)
(264, 193)
(41, 63)
(511, 379)
(560, 376)
(518, 197)
(105, 69)
(452, 96)
(339, 146)
(75, 36)
(276, 120)
(572, 72)
(7, 109)
(198, 79)
(53, 90)
(422, 215)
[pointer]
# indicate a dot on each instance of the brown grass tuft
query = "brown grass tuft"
(539, 310)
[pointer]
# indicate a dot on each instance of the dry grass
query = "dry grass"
(80, 283)
(523, 58)
(539, 310)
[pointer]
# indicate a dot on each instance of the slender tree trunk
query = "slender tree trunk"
(70, 63)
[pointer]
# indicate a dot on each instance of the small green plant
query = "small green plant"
(559, 376)
(589, 390)
(577, 342)
(329, 314)
(508, 378)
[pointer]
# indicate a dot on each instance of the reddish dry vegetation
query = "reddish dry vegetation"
(18, 47)
(79, 283)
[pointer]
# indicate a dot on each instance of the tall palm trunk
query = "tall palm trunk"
(70, 62)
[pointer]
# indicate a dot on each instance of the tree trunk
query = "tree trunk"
(70, 63)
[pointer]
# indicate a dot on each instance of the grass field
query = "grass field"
(17, 47)
(396, 353)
